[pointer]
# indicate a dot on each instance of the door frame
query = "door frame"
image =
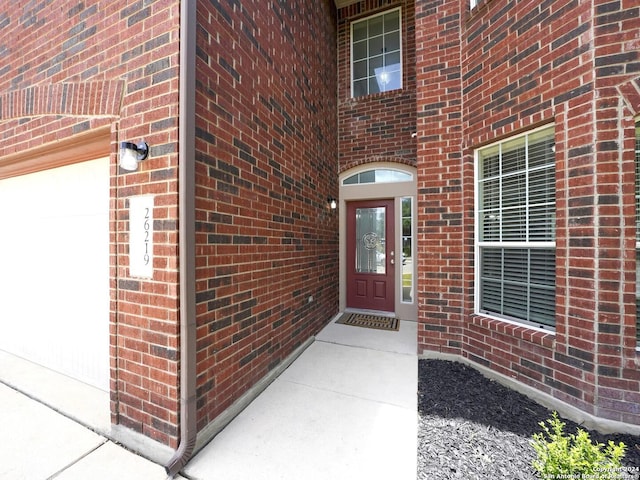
(372, 279)
(373, 191)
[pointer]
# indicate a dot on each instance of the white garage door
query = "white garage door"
(54, 269)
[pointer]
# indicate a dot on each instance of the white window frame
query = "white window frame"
(412, 238)
(351, 62)
(381, 175)
(478, 244)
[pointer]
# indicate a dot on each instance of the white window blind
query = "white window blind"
(516, 228)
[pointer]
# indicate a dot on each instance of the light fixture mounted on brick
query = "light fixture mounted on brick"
(332, 202)
(131, 155)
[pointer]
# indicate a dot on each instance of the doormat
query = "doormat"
(369, 321)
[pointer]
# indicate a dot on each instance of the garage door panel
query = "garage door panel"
(54, 269)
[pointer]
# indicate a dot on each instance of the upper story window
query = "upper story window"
(376, 54)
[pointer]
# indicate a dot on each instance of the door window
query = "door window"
(370, 240)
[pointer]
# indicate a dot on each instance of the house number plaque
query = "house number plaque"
(141, 236)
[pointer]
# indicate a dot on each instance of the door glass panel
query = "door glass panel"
(370, 240)
(407, 251)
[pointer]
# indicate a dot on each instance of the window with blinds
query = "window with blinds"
(638, 232)
(515, 207)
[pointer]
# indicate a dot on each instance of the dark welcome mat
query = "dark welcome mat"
(369, 321)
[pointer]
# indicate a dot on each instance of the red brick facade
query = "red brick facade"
(266, 162)
(266, 149)
(110, 67)
(508, 67)
(376, 128)
(276, 124)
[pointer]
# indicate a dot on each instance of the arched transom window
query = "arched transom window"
(378, 175)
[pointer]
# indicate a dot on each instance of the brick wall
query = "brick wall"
(444, 237)
(617, 68)
(267, 270)
(376, 128)
(547, 47)
(524, 64)
(68, 68)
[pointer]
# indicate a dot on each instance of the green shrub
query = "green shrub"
(563, 455)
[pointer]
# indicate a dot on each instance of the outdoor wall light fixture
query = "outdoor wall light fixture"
(131, 155)
(332, 202)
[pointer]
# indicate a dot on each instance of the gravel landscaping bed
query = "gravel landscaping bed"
(471, 427)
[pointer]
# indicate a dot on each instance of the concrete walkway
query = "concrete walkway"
(38, 443)
(345, 409)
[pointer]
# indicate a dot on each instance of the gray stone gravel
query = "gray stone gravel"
(471, 427)
(467, 450)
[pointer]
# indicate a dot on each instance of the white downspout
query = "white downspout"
(186, 238)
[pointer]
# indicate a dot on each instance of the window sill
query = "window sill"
(538, 336)
(378, 95)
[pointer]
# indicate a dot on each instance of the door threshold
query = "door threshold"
(379, 313)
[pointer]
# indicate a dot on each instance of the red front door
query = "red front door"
(370, 255)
